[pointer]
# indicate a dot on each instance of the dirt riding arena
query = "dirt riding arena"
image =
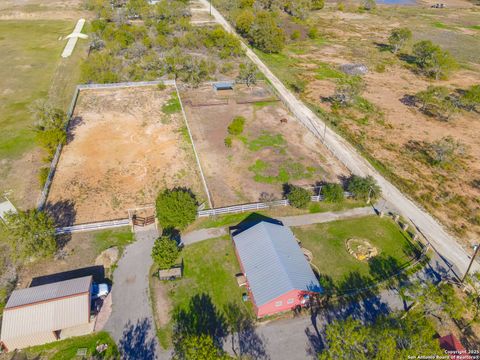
(272, 150)
(122, 149)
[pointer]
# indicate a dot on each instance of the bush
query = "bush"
(247, 74)
(341, 6)
(332, 193)
(176, 208)
(295, 35)
(398, 37)
(436, 101)
(236, 126)
(165, 252)
(49, 126)
(313, 32)
(317, 4)
(298, 197)
(43, 175)
(470, 99)
(228, 142)
(364, 188)
(348, 91)
(244, 21)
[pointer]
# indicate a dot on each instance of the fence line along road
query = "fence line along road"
(443, 242)
(92, 226)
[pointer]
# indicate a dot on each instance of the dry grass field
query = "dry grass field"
(124, 146)
(386, 131)
(272, 150)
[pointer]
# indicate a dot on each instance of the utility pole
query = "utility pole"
(476, 247)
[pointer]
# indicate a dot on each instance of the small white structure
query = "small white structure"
(46, 313)
(73, 37)
(6, 207)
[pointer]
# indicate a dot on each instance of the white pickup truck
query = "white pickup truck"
(99, 291)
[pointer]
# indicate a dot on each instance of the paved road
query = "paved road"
(131, 322)
(443, 242)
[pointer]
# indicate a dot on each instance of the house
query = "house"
(278, 276)
(46, 313)
(454, 348)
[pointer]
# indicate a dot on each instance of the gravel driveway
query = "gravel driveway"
(131, 323)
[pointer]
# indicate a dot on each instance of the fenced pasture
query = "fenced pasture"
(273, 148)
(122, 147)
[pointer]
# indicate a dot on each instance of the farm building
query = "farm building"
(278, 276)
(46, 313)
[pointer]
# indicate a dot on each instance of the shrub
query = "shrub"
(161, 86)
(176, 208)
(43, 175)
(348, 90)
(313, 32)
(244, 21)
(364, 188)
(470, 99)
(49, 126)
(317, 4)
(236, 126)
(436, 101)
(165, 252)
(228, 142)
(341, 6)
(295, 35)
(298, 197)
(332, 192)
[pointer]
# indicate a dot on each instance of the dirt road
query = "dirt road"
(442, 241)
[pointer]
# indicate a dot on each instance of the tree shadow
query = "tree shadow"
(409, 100)
(200, 317)
(75, 122)
(136, 343)
(315, 342)
(63, 212)
(250, 221)
(383, 47)
(408, 58)
(250, 343)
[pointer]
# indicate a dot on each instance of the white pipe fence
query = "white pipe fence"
(92, 226)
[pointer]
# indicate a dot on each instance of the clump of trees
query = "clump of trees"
(297, 196)
(176, 208)
(265, 34)
(398, 38)
(386, 338)
(364, 188)
(332, 192)
(31, 233)
(165, 252)
(432, 61)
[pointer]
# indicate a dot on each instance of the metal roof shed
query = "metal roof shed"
(278, 275)
(223, 85)
(42, 314)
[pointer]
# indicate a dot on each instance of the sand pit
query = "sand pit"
(122, 149)
(272, 150)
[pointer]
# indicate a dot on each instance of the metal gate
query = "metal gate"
(143, 221)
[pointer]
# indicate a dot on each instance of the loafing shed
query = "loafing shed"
(46, 313)
(278, 276)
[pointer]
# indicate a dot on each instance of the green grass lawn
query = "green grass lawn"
(30, 54)
(67, 349)
(330, 255)
(105, 239)
(209, 268)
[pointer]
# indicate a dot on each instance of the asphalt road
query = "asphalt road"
(131, 323)
(443, 242)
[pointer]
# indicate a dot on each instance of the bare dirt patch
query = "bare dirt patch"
(272, 150)
(122, 149)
